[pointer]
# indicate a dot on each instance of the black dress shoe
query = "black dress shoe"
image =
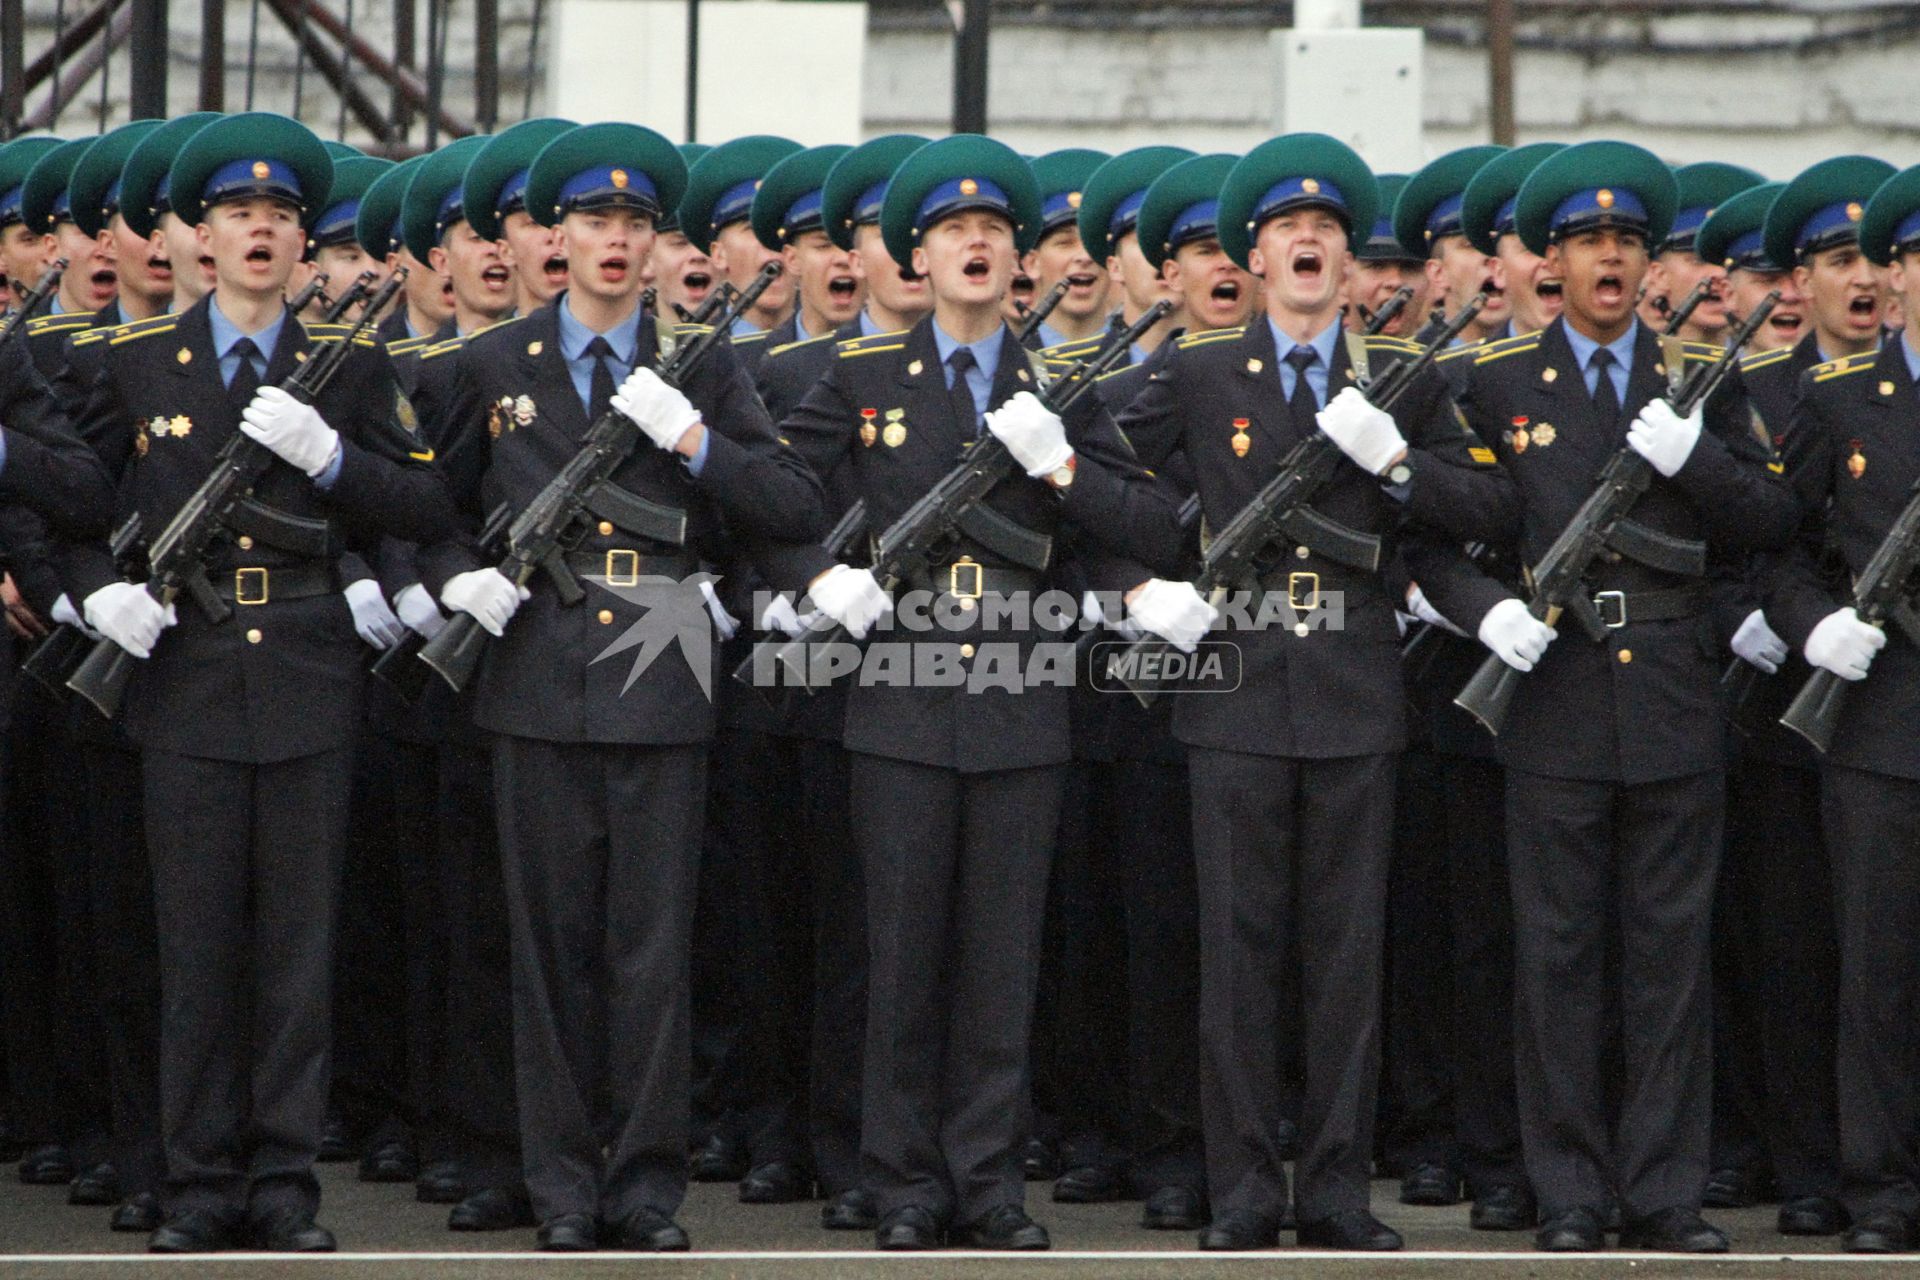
(293, 1232)
(196, 1231)
(1355, 1229)
(492, 1209)
(911, 1228)
(1575, 1231)
(137, 1213)
(1811, 1216)
(390, 1161)
(441, 1182)
(1006, 1227)
(48, 1166)
(1677, 1230)
(1734, 1187)
(718, 1159)
(1091, 1184)
(1239, 1232)
(1175, 1209)
(776, 1182)
(569, 1233)
(1885, 1232)
(1504, 1208)
(336, 1142)
(849, 1211)
(650, 1231)
(99, 1185)
(1040, 1161)
(1430, 1184)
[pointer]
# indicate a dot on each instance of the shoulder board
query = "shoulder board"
(1460, 353)
(408, 346)
(804, 342)
(1487, 352)
(684, 330)
(338, 333)
(1387, 342)
(448, 347)
(1073, 350)
(1206, 336)
(61, 323)
(102, 333)
(742, 340)
(1114, 373)
(1701, 352)
(894, 340)
(141, 329)
(1765, 358)
(1845, 365)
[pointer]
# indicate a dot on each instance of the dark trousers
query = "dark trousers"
(390, 1033)
(803, 973)
(1578, 852)
(956, 868)
(478, 1076)
(1873, 836)
(601, 850)
(1417, 1092)
(246, 864)
(126, 961)
(1286, 847)
(1486, 1110)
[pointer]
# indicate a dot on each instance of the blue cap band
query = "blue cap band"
(958, 194)
(1504, 222)
(513, 194)
(1126, 214)
(452, 210)
(1444, 219)
(396, 237)
(1750, 251)
(1058, 209)
(1597, 207)
(162, 196)
(1197, 221)
(62, 207)
(867, 208)
(10, 210)
(608, 186)
(1293, 193)
(241, 179)
(1908, 232)
(110, 203)
(336, 224)
(1686, 225)
(735, 204)
(1838, 223)
(803, 215)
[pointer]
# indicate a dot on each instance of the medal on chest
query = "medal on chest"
(1240, 440)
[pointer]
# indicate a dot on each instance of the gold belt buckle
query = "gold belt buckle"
(241, 594)
(953, 579)
(1311, 581)
(630, 577)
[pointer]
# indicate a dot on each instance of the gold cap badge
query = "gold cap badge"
(968, 187)
(261, 169)
(1310, 185)
(620, 179)
(1604, 198)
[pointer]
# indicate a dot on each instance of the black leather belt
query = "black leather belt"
(1620, 608)
(967, 579)
(254, 584)
(624, 566)
(1304, 587)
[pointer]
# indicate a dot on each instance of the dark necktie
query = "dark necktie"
(245, 381)
(965, 410)
(1606, 400)
(1301, 403)
(600, 391)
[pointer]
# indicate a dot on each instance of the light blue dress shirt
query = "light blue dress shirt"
(226, 334)
(1622, 349)
(624, 338)
(986, 357)
(1324, 344)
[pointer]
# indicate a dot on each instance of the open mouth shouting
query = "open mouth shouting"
(977, 269)
(1308, 265)
(1785, 323)
(843, 289)
(1549, 290)
(497, 277)
(1610, 291)
(613, 268)
(160, 266)
(555, 270)
(1227, 292)
(260, 254)
(1864, 310)
(1082, 281)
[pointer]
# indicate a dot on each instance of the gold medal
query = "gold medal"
(868, 431)
(523, 410)
(895, 435)
(1544, 434)
(1240, 440)
(1856, 461)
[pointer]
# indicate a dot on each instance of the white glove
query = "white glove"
(1756, 643)
(417, 610)
(293, 430)
(725, 623)
(1366, 434)
(65, 614)
(1033, 434)
(1420, 607)
(1516, 637)
(851, 597)
(124, 613)
(488, 594)
(371, 616)
(780, 615)
(1663, 437)
(1174, 611)
(656, 408)
(1844, 645)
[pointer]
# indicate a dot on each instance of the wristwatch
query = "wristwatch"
(1062, 476)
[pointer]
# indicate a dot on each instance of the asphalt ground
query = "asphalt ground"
(385, 1235)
